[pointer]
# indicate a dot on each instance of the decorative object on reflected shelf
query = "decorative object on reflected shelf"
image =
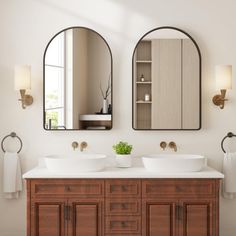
(142, 78)
(105, 96)
(123, 154)
(147, 97)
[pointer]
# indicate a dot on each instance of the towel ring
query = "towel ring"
(229, 135)
(13, 135)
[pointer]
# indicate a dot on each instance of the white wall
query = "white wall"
(27, 25)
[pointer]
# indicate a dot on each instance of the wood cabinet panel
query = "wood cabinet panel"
(122, 206)
(123, 225)
(159, 218)
(83, 188)
(125, 188)
(177, 188)
(86, 218)
(47, 218)
(198, 218)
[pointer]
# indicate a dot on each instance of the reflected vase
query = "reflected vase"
(105, 106)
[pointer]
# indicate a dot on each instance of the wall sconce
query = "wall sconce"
(223, 74)
(22, 83)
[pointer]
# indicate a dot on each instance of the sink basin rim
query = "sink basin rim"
(75, 163)
(174, 162)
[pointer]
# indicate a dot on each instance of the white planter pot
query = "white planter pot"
(123, 160)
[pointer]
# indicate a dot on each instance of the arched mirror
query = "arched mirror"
(77, 81)
(166, 81)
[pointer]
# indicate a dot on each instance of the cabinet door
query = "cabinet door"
(159, 218)
(47, 218)
(197, 218)
(85, 217)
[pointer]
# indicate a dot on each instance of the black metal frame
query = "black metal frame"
(12, 135)
(200, 79)
(44, 55)
(229, 135)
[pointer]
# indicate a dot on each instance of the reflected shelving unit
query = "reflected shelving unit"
(143, 68)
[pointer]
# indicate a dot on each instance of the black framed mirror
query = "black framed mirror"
(166, 83)
(77, 81)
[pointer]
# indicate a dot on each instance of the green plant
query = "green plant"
(122, 148)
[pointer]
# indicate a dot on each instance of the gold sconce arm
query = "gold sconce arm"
(219, 99)
(26, 99)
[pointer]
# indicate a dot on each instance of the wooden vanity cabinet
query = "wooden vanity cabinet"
(65, 207)
(186, 207)
(123, 207)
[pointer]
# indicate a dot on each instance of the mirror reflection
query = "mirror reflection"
(166, 81)
(77, 81)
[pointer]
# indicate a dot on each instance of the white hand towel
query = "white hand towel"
(229, 170)
(12, 180)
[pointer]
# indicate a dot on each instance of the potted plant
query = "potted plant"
(123, 154)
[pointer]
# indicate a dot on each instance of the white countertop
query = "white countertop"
(94, 117)
(111, 172)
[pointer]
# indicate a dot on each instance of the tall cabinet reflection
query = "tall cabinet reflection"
(166, 82)
(77, 81)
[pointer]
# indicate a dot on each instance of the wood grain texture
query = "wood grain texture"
(190, 85)
(198, 218)
(47, 218)
(131, 207)
(179, 188)
(124, 188)
(28, 211)
(86, 218)
(166, 84)
(122, 206)
(83, 188)
(159, 218)
(123, 224)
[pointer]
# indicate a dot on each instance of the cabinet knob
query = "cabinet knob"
(67, 188)
(124, 206)
(123, 223)
(124, 188)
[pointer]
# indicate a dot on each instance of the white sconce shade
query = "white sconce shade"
(223, 75)
(22, 77)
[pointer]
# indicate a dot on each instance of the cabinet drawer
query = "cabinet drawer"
(122, 207)
(83, 188)
(126, 188)
(123, 225)
(190, 187)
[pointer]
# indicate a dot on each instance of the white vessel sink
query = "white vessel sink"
(76, 163)
(174, 163)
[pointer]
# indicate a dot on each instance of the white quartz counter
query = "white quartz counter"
(109, 173)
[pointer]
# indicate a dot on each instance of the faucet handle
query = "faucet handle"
(173, 146)
(75, 145)
(83, 145)
(163, 145)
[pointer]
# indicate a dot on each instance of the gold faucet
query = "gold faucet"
(83, 145)
(173, 146)
(163, 145)
(75, 145)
